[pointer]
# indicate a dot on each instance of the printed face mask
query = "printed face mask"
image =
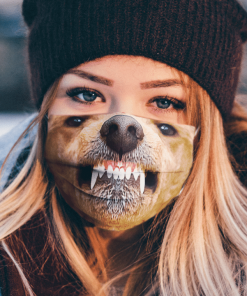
(116, 170)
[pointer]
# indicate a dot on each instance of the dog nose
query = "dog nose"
(122, 133)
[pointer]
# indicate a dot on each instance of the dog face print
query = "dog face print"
(117, 170)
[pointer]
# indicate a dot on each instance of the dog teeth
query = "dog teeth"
(109, 171)
(101, 174)
(94, 178)
(128, 173)
(99, 170)
(142, 182)
(136, 174)
(116, 173)
(121, 174)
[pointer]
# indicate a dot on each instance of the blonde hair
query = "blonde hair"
(195, 246)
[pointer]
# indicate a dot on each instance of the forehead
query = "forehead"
(136, 67)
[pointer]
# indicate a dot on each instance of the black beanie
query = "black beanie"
(202, 38)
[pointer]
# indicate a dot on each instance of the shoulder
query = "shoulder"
(8, 140)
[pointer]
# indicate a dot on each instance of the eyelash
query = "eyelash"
(176, 104)
(74, 92)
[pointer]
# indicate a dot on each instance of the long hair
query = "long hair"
(195, 246)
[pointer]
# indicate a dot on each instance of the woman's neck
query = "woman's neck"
(120, 249)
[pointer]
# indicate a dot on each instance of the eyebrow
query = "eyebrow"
(89, 76)
(161, 83)
(109, 82)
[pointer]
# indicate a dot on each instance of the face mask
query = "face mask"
(116, 170)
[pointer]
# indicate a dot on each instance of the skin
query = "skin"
(127, 92)
(126, 84)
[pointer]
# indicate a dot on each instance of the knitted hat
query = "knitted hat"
(202, 38)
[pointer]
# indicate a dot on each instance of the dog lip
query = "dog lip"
(90, 195)
(78, 188)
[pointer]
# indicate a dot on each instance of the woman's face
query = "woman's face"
(125, 84)
(119, 170)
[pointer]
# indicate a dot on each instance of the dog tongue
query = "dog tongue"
(117, 174)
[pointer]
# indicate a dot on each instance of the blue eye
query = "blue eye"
(163, 103)
(167, 129)
(87, 96)
(84, 95)
(168, 103)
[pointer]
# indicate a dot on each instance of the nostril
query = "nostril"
(132, 130)
(121, 133)
(113, 128)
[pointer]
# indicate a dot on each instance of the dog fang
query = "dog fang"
(142, 182)
(94, 178)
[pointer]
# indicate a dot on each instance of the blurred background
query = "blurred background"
(15, 103)
(14, 89)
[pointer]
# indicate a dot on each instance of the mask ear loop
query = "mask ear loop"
(197, 130)
(181, 190)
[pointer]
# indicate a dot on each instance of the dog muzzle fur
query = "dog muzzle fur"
(117, 170)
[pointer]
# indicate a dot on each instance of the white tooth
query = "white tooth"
(109, 171)
(94, 178)
(136, 174)
(128, 173)
(100, 168)
(142, 182)
(116, 173)
(121, 174)
(101, 174)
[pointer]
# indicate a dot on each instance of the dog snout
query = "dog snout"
(122, 133)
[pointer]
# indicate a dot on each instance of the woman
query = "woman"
(175, 62)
